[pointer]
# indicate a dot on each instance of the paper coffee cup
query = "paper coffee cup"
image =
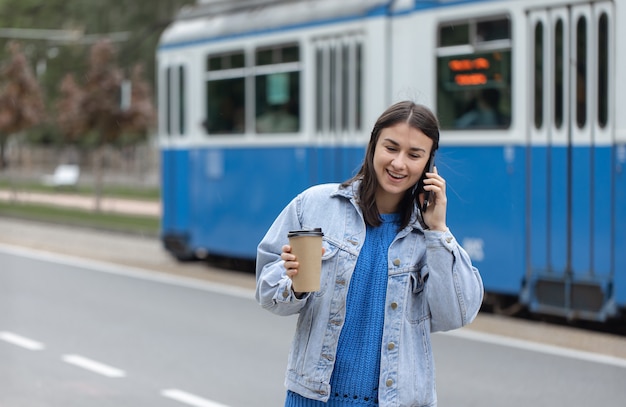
(307, 246)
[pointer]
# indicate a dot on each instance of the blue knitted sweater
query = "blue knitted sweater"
(354, 381)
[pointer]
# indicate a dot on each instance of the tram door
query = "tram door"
(569, 166)
(338, 107)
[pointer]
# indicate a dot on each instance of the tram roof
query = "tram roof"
(221, 7)
(209, 20)
(215, 19)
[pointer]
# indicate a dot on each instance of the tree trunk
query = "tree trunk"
(3, 163)
(98, 176)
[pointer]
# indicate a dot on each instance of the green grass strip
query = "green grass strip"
(142, 225)
(144, 193)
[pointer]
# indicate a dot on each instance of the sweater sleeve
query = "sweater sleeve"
(454, 287)
(273, 286)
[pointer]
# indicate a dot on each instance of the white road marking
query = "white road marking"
(21, 341)
(538, 347)
(93, 366)
(190, 399)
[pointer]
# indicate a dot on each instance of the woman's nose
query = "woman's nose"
(398, 162)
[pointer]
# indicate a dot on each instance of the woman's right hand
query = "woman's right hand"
(291, 263)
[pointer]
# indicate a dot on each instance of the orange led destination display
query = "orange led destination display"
(470, 79)
(458, 65)
(466, 71)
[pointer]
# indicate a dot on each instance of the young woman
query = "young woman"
(391, 275)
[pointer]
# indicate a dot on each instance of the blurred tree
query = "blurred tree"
(142, 20)
(68, 106)
(101, 109)
(21, 102)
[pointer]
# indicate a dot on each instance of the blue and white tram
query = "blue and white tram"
(260, 99)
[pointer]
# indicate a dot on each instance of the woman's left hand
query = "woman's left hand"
(435, 215)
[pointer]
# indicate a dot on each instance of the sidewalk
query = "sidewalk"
(107, 204)
(143, 252)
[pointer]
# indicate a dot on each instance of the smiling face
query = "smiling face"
(400, 158)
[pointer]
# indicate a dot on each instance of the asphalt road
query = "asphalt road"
(92, 319)
(151, 336)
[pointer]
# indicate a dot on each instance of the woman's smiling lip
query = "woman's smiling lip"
(395, 175)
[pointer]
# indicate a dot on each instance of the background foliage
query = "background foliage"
(132, 27)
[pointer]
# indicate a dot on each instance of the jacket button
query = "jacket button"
(396, 262)
(394, 305)
(389, 382)
(285, 294)
(449, 239)
(391, 346)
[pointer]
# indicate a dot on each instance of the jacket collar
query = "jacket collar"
(351, 191)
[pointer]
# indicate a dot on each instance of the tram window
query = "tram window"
(277, 107)
(291, 54)
(181, 100)
(264, 57)
(603, 70)
(358, 89)
(345, 84)
(474, 89)
(581, 72)
(319, 89)
(493, 30)
(225, 61)
(454, 34)
(277, 89)
(333, 83)
(277, 54)
(538, 75)
(558, 73)
(226, 106)
(174, 100)
(225, 93)
(168, 101)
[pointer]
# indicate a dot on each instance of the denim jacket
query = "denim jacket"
(432, 286)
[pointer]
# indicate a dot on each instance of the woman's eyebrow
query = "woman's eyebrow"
(395, 143)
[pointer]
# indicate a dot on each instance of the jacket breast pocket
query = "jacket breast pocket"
(417, 309)
(329, 265)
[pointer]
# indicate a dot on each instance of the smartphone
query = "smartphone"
(429, 168)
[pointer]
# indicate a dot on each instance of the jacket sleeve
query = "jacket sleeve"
(273, 286)
(454, 288)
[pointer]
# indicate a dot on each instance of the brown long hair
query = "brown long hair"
(417, 116)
